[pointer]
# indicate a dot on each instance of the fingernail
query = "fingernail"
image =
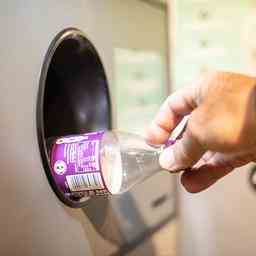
(167, 160)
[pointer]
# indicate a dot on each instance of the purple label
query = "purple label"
(169, 142)
(75, 164)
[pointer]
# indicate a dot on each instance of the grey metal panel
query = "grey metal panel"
(32, 220)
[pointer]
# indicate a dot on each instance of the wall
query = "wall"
(215, 35)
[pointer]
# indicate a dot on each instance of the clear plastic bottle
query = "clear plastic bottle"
(127, 159)
(104, 162)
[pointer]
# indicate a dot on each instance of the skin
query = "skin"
(221, 131)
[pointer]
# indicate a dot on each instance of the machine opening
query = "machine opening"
(73, 95)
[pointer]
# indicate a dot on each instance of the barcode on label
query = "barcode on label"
(86, 181)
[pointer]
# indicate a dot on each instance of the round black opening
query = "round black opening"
(73, 95)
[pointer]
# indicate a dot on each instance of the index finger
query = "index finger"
(174, 108)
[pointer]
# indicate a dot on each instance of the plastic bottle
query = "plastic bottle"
(104, 162)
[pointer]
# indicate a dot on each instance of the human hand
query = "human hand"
(221, 131)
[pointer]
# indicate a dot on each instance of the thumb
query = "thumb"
(183, 154)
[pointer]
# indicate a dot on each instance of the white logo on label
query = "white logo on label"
(71, 139)
(60, 167)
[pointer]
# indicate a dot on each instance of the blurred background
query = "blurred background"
(187, 38)
(149, 48)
